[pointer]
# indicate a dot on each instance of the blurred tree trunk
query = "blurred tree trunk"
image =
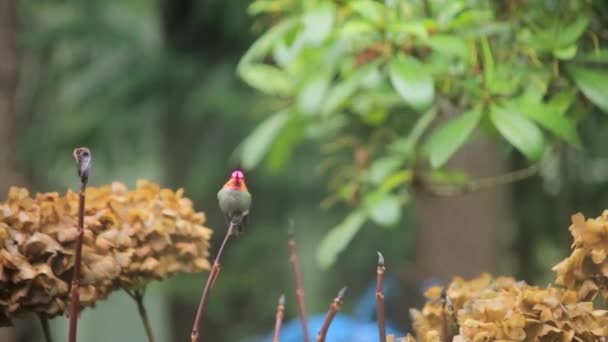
(461, 235)
(9, 62)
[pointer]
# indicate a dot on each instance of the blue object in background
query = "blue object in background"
(343, 329)
(361, 326)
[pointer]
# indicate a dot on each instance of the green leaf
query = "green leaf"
(338, 238)
(449, 45)
(395, 180)
(406, 145)
(385, 209)
(267, 79)
(261, 47)
(341, 92)
(258, 143)
(338, 95)
(552, 121)
(488, 60)
(448, 138)
(569, 34)
(599, 56)
(565, 53)
(519, 131)
(355, 27)
(383, 167)
(312, 93)
(412, 82)
(318, 23)
(370, 10)
(259, 7)
(561, 101)
(290, 134)
(416, 29)
(593, 83)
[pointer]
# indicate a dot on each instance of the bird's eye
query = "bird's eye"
(85, 154)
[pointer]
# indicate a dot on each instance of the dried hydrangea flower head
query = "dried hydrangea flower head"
(131, 238)
(491, 309)
(586, 269)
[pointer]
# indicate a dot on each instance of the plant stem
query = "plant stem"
(215, 270)
(83, 161)
(295, 265)
(447, 314)
(46, 329)
(380, 297)
(334, 307)
(449, 190)
(138, 297)
(279, 320)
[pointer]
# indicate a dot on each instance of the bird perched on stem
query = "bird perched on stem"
(235, 201)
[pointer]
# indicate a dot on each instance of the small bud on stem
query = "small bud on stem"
(84, 159)
(334, 307)
(279, 319)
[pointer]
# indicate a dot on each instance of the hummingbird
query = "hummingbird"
(235, 200)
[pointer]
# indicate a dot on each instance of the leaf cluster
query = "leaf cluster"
(392, 90)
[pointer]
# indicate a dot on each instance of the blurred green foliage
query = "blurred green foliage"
(396, 88)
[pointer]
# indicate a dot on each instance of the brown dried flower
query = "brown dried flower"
(131, 238)
(586, 269)
(495, 309)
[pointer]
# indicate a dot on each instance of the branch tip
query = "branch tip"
(380, 259)
(282, 300)
(342, 293)
(84, 159)
(291, 228)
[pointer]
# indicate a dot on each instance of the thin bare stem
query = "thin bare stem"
(380, 297)
(83, 161)
(138, 297)
(334, 307)
(449, 190)
(46, 329)
(279, 320)
(447, 315)
(215, 271)
(295, 265)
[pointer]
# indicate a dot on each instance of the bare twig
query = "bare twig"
(295, 265)
(215, 271)
(334, 307)
(449, 190)
(380, 297)
(84, 160)
(279, 320)
(447, 315)
(138, 297)
(46, 329)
